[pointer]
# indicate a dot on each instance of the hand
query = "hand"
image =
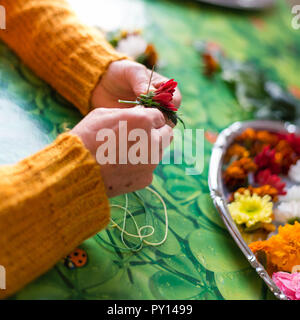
(126, 80)
(124, 178)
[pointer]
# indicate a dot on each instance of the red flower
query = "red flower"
(293, 140)
(164, 95)
(266, 177)
(266, 160)
(160, 99)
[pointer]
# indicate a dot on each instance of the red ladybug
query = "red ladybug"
(76, 259)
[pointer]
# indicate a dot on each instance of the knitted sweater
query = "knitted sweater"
(55, 199)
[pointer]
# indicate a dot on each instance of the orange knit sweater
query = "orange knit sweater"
(55, 199)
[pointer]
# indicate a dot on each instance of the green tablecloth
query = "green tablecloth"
(199, 259)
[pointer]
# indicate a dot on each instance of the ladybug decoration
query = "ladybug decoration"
(76, 259)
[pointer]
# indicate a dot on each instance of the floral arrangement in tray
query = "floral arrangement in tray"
(262, 174)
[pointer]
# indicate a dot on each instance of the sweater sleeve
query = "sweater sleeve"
(50, 39)
(50, 203)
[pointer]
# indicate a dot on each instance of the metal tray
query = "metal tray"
(217, 189)
(242, 4)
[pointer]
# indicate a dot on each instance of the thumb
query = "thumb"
(139, 78)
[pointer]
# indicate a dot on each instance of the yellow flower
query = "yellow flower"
(249, 209)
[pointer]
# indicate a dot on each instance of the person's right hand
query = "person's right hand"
(123, 178)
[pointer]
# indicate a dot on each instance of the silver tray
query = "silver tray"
(242, 4)
(217, 189)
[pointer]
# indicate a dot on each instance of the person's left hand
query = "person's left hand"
(126, 80)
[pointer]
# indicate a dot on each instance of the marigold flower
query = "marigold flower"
(267, 138)
(288, 283)
(250, 209)
(266, 177)
(283, 249)
(293, 140)
(256, 141)
(285, 156)
(237, 151)
(211, 53)
(262, 191)
(237, 172)
(235, 176)
(249, 135)
(151, 56)
(247, 164)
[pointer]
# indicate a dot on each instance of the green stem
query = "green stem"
(128, 102)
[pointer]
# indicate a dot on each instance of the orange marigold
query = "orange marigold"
(260, 191)
(263, 139)
(282, 250)
(237, 151)
(237, 172)
(255, 141)
(246, 163)
(285, 156)
(267, 137)
(248, 135)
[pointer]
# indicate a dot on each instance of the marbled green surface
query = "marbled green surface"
(199, 259)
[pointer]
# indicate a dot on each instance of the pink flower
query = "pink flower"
(288, 283)
(266, 177)
(164, 95)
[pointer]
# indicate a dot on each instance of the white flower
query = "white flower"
(294, 173)
(293, 194)
(287, 211)
(133, 46)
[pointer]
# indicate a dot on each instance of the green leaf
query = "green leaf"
(128, 284)
(165, 285)
(182, 189)
(216, 252)
(239, 285)
(207, 207)
(181, 263)
(179, 224)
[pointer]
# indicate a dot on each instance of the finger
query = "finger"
(161, 139)
(165, 135)
(177, 98)
(170, 123)
(156, 117)
(139, 77)
(146, 118)
(158, 79)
